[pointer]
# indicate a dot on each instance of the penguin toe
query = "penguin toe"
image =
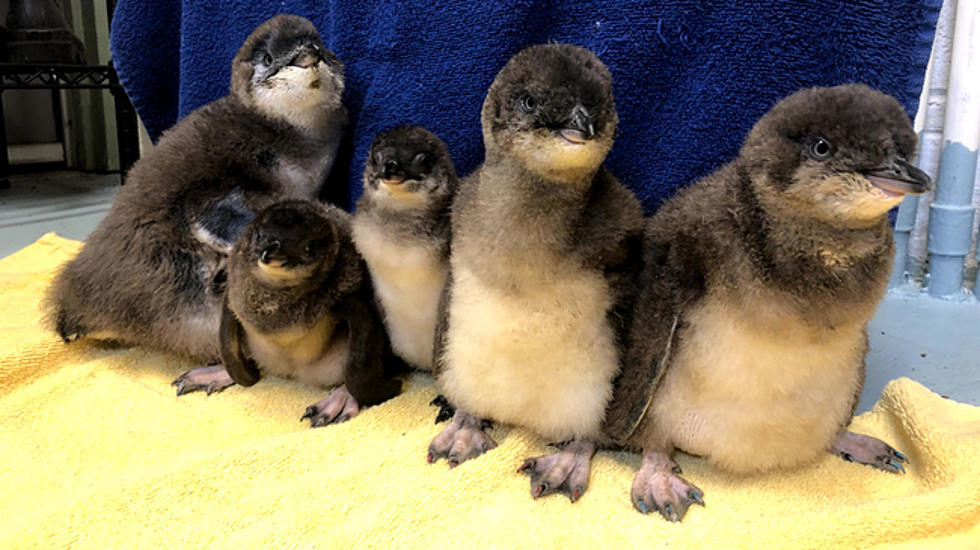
(339, 406)
(209, 379)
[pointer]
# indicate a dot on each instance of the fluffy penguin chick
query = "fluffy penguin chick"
(298, 305)
(401, 227)
(749, 334)
(152, 273)
(530, 326)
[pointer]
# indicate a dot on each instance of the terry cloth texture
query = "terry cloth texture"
(98, 452)
(690, 78)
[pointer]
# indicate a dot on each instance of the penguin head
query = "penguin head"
(838, 154)
(284, 70)
(290, 242)
(551, 109)
(409, 168)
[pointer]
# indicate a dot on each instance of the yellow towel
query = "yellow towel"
(98, 452)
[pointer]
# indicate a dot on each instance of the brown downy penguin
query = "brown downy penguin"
(401, 228)
(531, 322)
(298, 304)
(151, 273)
(749, 334)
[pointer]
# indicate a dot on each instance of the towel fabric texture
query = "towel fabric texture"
(98, 452)
(690, 78)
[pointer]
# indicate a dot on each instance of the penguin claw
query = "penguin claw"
(565, 471)
(658, 487)
(464, 438)
(339, 406)
(870, 451)
(210, 379)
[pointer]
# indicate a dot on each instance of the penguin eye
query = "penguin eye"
(423, 161)
(527, 103)
(820, 149)
(264, 58)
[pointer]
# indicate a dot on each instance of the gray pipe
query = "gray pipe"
(951, 213)
(930, 143)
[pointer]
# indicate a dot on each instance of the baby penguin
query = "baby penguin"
(152, 273)
(750, 328)
(299, 305)
(401, 227)
(531, 325)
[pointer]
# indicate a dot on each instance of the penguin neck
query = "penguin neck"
(513, 176)
(427, 224)
(323, 122)
(793, 246)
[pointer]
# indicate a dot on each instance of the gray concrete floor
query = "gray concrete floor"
(934, 342)
(69, 203)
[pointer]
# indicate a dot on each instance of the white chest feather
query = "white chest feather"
(754, 389)
(542, 356)
(408, 280)
(315, 356)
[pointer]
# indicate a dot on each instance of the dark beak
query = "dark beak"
(579, 127)
(307, 57)
(391, 172)
(898, 176)
(270, 253)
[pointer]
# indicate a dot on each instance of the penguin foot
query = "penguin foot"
(339, 406)
(68, 331)
(210, 379)
(659, 487)
(868, 450)
(566, 471)
(461, 440)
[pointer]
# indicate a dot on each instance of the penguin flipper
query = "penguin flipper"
(220, 225)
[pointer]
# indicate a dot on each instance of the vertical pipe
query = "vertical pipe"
(951, 213)
(976, 231)
(932, 111)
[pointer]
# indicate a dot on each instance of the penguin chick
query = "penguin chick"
(298, 305)
(749, 334)
(531, 322)
(151, 273)
(401, 228)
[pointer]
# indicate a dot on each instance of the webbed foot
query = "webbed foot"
(868, 450)
(464, 438)
(659, 487)
(566, 471)
(210, 379)
(339, 406)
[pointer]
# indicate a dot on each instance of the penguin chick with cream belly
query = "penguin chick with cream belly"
(543, 239)
(151, 273)
(299, 305)
(401, 228)
(749, 334)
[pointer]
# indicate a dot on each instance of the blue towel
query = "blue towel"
(690, 77)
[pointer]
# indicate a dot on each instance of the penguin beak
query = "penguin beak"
(307, 57)
(579, 127)
(270, 254)
(392, 173)
(899, 177)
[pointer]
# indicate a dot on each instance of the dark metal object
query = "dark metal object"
(61, 76)
(38, 33)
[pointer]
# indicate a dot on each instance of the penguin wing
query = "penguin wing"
(221, 224)
(234, 356)
(365, 375)
(442, 324)
(654, 316)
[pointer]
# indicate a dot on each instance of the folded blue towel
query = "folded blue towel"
(690, 78)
